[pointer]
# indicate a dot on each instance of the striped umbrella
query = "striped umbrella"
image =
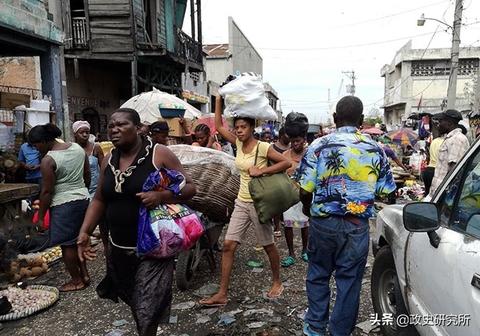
(403, 136)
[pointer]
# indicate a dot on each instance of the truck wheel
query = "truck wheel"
(386, 295)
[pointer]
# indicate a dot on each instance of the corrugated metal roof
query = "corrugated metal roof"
(216, 50)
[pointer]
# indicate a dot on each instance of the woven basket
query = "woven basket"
(34, 309)
(217, 189)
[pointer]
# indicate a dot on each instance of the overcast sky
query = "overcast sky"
(306, 44)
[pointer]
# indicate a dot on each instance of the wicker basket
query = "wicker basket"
(34, 309)
(217, 189)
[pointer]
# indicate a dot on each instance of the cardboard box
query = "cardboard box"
(175, 129)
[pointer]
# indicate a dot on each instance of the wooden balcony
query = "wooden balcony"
(80, 37)
(188, 49)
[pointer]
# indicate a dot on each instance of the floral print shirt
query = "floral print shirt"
(345, 170)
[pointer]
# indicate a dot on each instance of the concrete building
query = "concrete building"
(274, 102)
(235, 57)
(30, 46)
(417, 81)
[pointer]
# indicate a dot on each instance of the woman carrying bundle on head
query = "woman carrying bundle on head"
(249, 152)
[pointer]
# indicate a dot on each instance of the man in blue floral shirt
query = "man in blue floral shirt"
(340, 176)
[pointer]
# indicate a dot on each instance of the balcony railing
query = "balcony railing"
(188, 49)
(80, 33)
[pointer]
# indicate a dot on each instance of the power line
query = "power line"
(389, 15)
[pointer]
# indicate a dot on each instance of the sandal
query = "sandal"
(277, 234)
(305, 256)
(254, 264)
(287, 261)
(71, 287)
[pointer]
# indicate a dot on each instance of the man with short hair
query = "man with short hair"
(340, 176)
(453, 147)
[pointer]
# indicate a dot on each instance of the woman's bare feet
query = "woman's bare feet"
(276, 291)
(217, 300)
(72, 286)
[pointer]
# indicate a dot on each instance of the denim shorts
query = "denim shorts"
(65, 222)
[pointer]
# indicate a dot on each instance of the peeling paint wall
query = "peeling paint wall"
(30, 16)
(21, 72)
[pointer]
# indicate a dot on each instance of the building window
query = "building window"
(442, 67)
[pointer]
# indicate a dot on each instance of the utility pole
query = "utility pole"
(351, 76)
(452, 83)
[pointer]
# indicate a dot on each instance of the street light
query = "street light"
(421, 21)
(457, 23)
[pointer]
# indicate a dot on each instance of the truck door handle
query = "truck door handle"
(476, 280)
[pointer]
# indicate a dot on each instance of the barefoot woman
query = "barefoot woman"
(244, 214)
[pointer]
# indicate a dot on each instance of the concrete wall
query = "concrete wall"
(244, 56)
(29, 16)
(217, 69)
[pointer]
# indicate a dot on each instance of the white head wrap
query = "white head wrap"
(79, 124)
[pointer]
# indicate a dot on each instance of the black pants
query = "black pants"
(427, 177)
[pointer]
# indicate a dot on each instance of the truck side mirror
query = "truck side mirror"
(421, 217)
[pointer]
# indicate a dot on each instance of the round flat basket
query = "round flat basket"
(35, 308)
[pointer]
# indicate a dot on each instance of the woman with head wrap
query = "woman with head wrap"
(81, 132)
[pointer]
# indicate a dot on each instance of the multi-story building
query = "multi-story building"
(417, 81)
(31, 64)
(116, 49)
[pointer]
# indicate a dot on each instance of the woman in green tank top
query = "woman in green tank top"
(66, 177)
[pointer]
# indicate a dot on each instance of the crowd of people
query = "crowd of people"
(339, 176)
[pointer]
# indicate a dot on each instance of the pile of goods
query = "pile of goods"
(412, 192)
(24, 268)
(32, 265)
(52, 255)
(215, 177)
(17, 302)
(401, 176)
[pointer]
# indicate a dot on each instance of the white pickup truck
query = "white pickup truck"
(426, 273)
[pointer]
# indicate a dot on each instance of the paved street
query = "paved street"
(83, 313)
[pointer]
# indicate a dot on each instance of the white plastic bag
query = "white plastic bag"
(245, 97)
(416, 160)
(295, 214)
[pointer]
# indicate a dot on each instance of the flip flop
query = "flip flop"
(277, 234)
(204, 304)
(305, 256)
(254, 264)
(276, 296)
(287, 261)
(71, 287)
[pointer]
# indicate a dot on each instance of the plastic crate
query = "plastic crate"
(171, 112)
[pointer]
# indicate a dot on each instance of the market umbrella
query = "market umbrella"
(147, 105)
(403, 136)
(209, 120)
(373, 131)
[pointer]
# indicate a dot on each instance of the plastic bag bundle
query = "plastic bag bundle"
(168, 228)
(245, 97)
(296, 124)
(216, 178)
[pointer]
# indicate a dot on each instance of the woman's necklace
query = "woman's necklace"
(121, 176)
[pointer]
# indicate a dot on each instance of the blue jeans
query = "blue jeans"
(335, 244)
